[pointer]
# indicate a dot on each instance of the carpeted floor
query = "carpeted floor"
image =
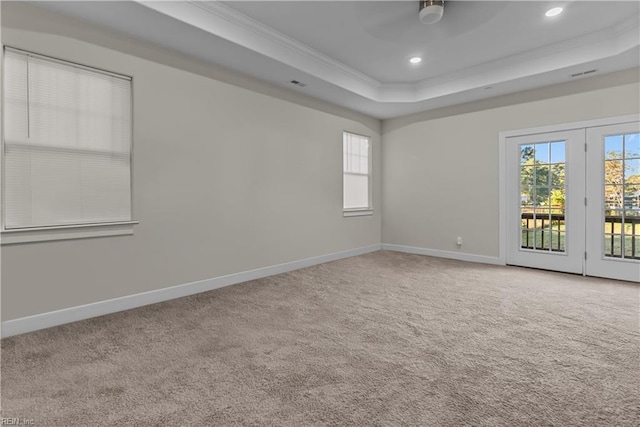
(380, 339)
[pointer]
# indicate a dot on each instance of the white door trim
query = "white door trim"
(502, 165)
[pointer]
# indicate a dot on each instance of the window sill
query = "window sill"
(46, 234)
(357, 212)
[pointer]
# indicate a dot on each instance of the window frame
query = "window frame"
(362, 211)
(63, 231)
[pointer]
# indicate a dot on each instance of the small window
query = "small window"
(66, 155)
(356, 174)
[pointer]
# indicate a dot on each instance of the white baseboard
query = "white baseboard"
(73, 314)
(483, 259)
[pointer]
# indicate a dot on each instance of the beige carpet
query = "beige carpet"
(381, 339)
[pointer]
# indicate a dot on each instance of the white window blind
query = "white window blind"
(67, 144)
(356, 177)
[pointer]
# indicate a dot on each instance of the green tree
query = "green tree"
(538, 180)
(614, 178)
(558, 199)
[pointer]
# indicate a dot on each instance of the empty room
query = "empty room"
(307, 213)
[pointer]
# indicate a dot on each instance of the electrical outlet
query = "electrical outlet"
(459, 241)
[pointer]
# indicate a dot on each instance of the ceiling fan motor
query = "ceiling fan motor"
(431, 11)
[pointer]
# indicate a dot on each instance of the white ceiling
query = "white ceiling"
(355, 53)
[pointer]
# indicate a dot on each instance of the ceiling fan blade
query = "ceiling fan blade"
(398, 21)
(461, 17)
(387, 20)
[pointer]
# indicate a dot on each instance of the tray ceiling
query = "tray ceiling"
(356, 53)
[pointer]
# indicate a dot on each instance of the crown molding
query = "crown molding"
(227, 23)
(243, 21)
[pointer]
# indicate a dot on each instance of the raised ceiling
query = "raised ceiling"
(356, 53)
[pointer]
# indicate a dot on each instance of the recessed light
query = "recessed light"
(415, 60)
(553, 12)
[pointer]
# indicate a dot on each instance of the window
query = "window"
(356, 175)
(66, 156)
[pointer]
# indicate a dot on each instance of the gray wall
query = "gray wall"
(441, 167)
(225, 180)
(231, 174)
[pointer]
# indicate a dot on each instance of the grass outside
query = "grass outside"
(613, 246)
(616, 228)
(543, 240)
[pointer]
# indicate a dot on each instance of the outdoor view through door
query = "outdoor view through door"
(622, 196)
(542, 192)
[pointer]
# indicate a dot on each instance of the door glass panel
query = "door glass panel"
(622, 196)
(613, 172)
(557, 152)
(542, 152)
(557, 175)
(613, 147)
(632, 146)
(542, 196)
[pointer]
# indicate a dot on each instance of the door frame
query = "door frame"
(502, 163)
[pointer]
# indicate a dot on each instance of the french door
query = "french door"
(613, 201)
(573, 201)
(545, 210)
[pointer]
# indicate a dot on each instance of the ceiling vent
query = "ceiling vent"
(583, 73)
